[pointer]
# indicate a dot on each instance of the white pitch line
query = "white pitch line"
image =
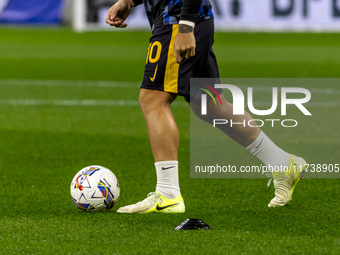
(38, 102)
(86, 102)
(76, 83)
(91, 102)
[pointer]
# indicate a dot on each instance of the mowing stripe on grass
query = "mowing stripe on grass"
(90, 102)
(126, 84)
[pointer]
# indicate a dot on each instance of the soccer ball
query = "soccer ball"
(95, 188)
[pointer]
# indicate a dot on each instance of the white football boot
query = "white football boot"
(285, 182)
(155, 202)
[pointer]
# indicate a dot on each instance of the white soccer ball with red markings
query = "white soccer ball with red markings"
(95, 188)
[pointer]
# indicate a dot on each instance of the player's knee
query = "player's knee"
(150, 100)
(197, 110)
(145, 101)
(221, 109)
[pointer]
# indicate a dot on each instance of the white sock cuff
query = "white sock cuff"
(257, 141)
(268, 152)
(166, 163)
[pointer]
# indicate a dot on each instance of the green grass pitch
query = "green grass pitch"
(70, 100)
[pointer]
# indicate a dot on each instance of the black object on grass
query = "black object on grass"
(192, 224)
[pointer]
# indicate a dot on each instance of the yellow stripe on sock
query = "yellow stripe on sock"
(172, 67)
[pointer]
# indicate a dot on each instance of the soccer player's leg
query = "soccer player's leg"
(252, 138)
(158, 91)
(290, 168)
(164, 141)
